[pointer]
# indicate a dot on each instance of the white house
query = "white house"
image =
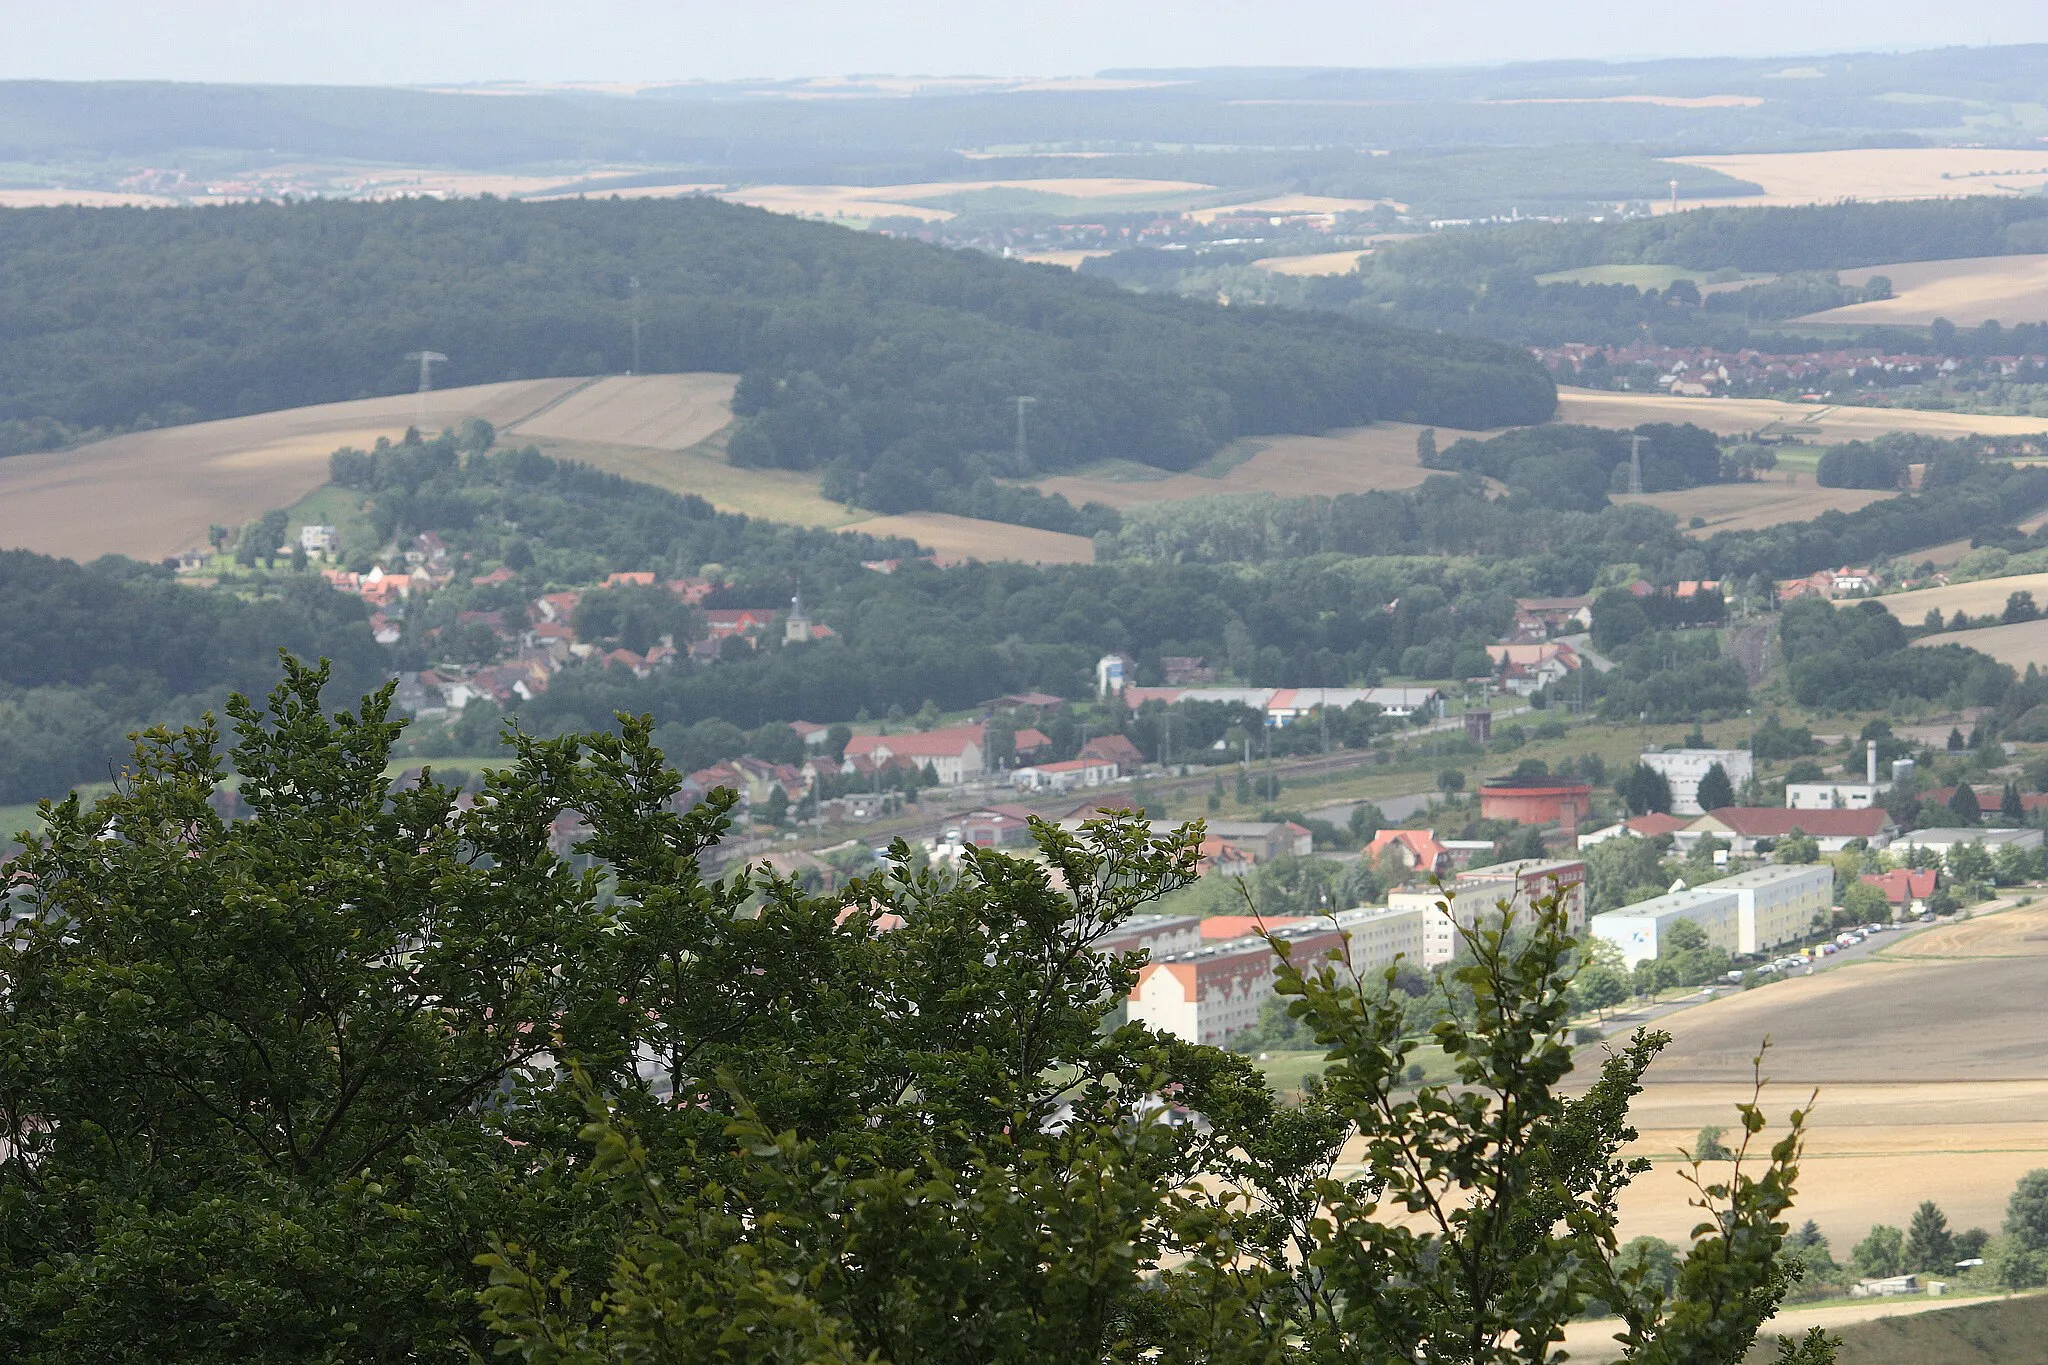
(954, 753)
(1683, 769)
(1060, 777)
(1945, 841)
(1834, 795)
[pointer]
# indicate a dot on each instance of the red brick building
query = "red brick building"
(1536, 801)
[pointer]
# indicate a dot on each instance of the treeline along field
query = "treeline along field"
(1499, 282)
(889, 364)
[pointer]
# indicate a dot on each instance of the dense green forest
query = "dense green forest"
(1573, 468)
(94, 652)
(889, 364)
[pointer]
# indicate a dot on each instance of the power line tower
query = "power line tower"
(633, 284)
(428, 360)
(1023, 451)
(1635, 464)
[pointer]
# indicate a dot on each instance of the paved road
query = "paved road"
(1629, 1021)
(1395, 808)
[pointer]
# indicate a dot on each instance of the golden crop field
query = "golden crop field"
(1770, 501)
(2018, 645)
(657, 411)
(1929, 1065)
(1357, 460)
(1648, 277)
(1967, 291)
(970, 538)
(154, 493)
(1321, 263)
(1922, 1072)
(1816, 423)
(1295, 203)
(785, 495)
(1976, 598)
(92, 199)
(898, 201)
(1876, 173)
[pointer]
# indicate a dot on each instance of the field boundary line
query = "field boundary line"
(552, 403)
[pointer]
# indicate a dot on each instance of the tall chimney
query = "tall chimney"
(1871, 766)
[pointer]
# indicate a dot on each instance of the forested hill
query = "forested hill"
(93, 652)
(890, 363)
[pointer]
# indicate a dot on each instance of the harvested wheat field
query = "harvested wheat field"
(771, 494)
(899, 201)
(92, 199)
(1322, 263)
(1932, 1067)
(657, 411)
(154, 493)
(1966, 291)
(1752, 506)
(1357, 460)
(969, 538)
(2018, 645)
(1876, 173)
(1815, 424)
(1976, 598)
(1295, 204)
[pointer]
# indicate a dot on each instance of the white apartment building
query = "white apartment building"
(1212, 993)
(1834, 795)
(1380, 934)
(1683, 769)
(1461, 905)
(1946, 841)
(1775, 905)
(1158, 935)
(1641, 930)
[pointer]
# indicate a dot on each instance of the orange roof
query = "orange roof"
(1903, 884)
(1237, 926)
(1421, 844)
(946, 743)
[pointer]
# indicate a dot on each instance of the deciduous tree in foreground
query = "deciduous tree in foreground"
(378, 1074)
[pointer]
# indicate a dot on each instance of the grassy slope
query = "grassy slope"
(2008, 1332)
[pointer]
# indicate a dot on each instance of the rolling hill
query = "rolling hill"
(889, 365)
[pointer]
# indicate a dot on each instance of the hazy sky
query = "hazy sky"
(416, 41)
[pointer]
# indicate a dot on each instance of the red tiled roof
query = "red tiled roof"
(1116, 749)
(1772, 822)
(1903, 885)
(946, 743)
(1215, 927)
